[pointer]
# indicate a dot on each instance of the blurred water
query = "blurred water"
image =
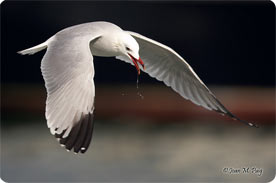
(140, 151)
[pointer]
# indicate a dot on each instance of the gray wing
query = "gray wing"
(164, 64)
(68, 71)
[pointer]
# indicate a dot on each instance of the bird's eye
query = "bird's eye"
(128, 49)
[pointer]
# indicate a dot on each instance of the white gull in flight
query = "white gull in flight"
(68, 70)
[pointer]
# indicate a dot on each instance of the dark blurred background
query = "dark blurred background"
(160, 136)
(227, 43)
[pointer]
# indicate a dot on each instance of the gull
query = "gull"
(68, 70)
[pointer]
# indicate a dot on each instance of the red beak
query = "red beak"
(140, 61)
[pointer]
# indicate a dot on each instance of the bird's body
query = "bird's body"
(68, 71)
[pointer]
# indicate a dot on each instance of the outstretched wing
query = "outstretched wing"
(164, 64)
(68, 71)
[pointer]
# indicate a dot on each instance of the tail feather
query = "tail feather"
(34, 49)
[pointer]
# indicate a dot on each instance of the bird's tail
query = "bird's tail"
(34, 49)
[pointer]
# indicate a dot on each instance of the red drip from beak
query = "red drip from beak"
(134, 60)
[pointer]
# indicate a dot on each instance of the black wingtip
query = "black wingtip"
(254, 125)
(238, 119)
(80, 135)
(245, 122)
(228, 113)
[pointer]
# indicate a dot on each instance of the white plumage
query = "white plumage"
(68, 71)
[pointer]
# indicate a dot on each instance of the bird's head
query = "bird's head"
(130, 48)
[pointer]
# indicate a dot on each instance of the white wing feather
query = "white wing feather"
(68, 71)
(164, 64)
